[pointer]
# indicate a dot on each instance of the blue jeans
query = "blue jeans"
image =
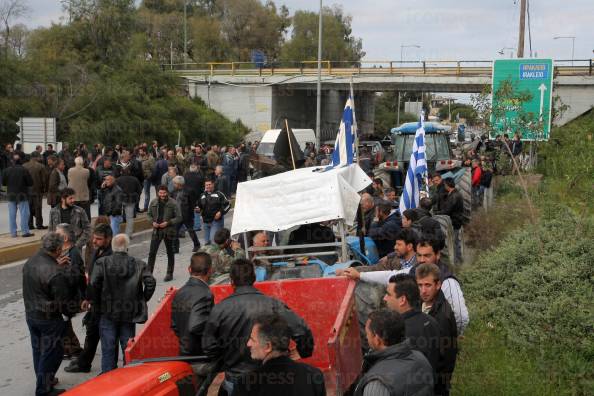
(197, 222)
(23, 207)
(113, 335)
(129, 210)
(115, 224)
(46, 342)
(146, 188)
(210, 229)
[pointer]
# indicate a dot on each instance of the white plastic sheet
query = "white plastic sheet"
(301, 196)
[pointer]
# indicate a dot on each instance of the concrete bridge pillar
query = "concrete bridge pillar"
(266, 107)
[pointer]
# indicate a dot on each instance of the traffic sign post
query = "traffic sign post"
(522, 98)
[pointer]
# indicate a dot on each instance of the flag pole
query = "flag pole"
(354, 121)
(361, 219)
(290, 144)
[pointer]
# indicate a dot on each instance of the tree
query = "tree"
(386, 112)
(460, 110)
(16, 43)
(338, 43)
(248, 25)
(10, 10)
(482, 106)
(207, 43)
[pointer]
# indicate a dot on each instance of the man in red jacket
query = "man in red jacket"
(477, 173)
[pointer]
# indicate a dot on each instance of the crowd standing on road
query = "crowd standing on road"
(409, 345)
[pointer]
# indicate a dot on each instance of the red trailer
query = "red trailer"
(326, 304)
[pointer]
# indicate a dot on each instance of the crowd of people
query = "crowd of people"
(410, 334)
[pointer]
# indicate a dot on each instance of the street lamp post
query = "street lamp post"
(572, 44)
(402, 47)
(319, 84)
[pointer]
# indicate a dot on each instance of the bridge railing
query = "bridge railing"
(347, 68)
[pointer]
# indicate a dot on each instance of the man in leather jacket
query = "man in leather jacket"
(121, 287)
(45, 293)
(230, 324)
(213, 205)
(191, 306)
(102, 248)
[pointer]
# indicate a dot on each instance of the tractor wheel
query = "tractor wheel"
(368, 298)
(447, 253)
(465, 187)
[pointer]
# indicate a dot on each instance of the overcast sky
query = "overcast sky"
(445, 29)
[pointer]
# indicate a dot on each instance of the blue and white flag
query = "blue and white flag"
(417, 171)
(344, 147)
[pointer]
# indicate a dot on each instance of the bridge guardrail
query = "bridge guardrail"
(563, 67)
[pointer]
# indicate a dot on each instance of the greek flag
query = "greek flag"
(417, 170)
(344, 147)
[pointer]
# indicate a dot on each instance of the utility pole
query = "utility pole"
(522, 28)
(185, 33)
(319, 85)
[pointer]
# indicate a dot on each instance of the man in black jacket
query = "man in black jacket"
(192, 305)
(230, 324)
(435, 304)
(453, 206)
(386, 229)
(131, 190)
(74, 268)
(121, 287)
(45, 293)
(402, 296)
(113, 202)
(278, 374)
(194, 185)
(212, 205)
(104, 169)
(437, 191)
(102, 248)
(18, 182)
(187, 202)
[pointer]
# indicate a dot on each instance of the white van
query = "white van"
(303, 136)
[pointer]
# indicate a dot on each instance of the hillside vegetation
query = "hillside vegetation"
(531, 288)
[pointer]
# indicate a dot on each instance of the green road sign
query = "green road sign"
(522, 98)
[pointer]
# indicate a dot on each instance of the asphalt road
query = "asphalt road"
(16, 366)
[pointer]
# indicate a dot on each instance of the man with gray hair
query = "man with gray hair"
(78, 180)
(121, 285)
(45, 294)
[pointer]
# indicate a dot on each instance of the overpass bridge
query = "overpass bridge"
(263, 96)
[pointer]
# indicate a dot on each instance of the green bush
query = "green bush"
(567, 163)
(536, 288)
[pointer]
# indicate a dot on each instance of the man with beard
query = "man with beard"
(68, 212)
(164, 214)
(102, 248)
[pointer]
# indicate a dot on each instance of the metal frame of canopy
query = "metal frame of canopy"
(280, 202)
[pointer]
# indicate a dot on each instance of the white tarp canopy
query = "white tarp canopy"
(301, 196)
